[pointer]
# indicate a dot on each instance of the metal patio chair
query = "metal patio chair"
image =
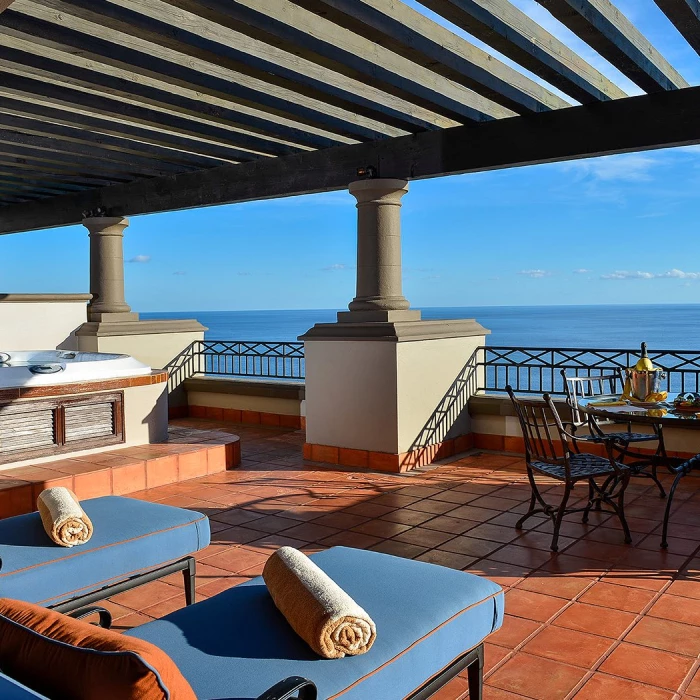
(550, 451)
(611, 385)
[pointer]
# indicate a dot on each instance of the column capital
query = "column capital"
(107, 225)
(368, 190)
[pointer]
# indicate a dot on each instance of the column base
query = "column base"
(387, 461)
(112, 316)
(379, 316)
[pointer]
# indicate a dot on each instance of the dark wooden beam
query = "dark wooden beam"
(105, 106)
(603, 27)
(62, 173)
(263, 138)
(273, 113)
(54, 150)
(685, 15)
(294, 30)
(218, 45)
(510, 31)
(412, 35)
(659, 120)
(62, 137)
(41, 181)
(42, 188)
(107, 125)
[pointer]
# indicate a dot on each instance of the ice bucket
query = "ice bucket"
(643, 383)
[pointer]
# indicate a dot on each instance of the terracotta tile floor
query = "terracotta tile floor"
(598, 620)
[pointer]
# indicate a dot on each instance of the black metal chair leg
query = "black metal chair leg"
(655, 479)
(591, 501)
(190, 574)
(619, 507)
(535, 497)
(667, 514)
(475, 676)
(559, 518)
(604, 488)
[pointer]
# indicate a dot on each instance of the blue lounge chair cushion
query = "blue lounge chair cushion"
(237, 644)
(130, 537)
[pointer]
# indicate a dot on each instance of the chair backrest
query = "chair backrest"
(589, 386)
(542, 428)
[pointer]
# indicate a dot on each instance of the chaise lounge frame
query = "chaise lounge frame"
(298, 688)
(78, 605)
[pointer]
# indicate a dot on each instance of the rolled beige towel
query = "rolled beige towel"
(317, 609)
(65, 522)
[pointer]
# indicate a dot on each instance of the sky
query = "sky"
(614, 230)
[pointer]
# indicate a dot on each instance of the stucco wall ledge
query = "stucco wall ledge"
(246, 387)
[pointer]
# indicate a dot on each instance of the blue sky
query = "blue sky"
(622, 229)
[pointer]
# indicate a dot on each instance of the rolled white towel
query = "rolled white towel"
(63, 518)
(316, 607)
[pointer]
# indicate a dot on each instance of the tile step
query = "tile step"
(121, 471)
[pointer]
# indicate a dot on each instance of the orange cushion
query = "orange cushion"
(68, 659)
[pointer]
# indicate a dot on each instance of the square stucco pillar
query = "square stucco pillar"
(385, 390)
(390, 396)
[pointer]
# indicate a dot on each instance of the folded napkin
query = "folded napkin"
(65, 522)
(607, 403)
(316, 608)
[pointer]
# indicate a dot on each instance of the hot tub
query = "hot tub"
(43, 367)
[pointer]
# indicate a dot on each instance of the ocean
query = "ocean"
(662, 326)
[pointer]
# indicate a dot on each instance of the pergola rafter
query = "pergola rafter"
(510, 31)
(135, 106)
(603, 27)
(207, 41)
(685, 15)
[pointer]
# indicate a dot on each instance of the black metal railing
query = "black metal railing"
(527, 370)
(536, 370)
(238, 358)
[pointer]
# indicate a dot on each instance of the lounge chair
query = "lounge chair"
(134, 542)
(431, 622)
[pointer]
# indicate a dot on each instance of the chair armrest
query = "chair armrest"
(291, 688)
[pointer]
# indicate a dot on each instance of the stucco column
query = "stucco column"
(107, 268)
(379, 295)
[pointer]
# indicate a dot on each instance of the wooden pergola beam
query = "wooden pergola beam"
(216, 45)
(258, 129)
(291, 28)
(106, 106)
(658, 120)
(131, 168)
(426, 43)
(603, 27)
(685, 16)
(88, 154)
(100, 126)
(510, 31)
(20, 169)
(4, 4)
(62, 138)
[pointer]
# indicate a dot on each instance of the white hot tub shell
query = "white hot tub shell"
(25, 368)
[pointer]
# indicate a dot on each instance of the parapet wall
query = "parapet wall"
(41, 321)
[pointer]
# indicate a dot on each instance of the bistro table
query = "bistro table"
(657, 415)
